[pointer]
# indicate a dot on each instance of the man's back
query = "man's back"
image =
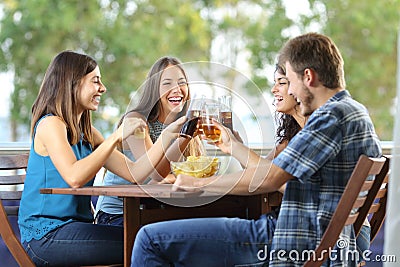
(321, 157)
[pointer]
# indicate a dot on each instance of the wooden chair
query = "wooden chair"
(377, 210)
(376, 202)
(12, 169)
(350, 201)
(13, 174)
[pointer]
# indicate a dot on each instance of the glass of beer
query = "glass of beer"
(225, 112)
(189, 128)
(210, 131)
(193, 115)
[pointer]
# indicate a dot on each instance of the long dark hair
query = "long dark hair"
(59, 91)
(287, 126)
(150, 103)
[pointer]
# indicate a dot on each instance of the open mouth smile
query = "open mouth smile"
(175, 99)
(96, 99)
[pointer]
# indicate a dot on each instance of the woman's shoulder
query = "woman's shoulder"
(49, 126)
(48, 130)
(50, 121)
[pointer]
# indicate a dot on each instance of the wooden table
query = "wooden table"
(151, 203)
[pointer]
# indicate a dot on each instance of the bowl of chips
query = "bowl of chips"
(196, 166)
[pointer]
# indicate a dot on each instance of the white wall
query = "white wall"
(392, 224)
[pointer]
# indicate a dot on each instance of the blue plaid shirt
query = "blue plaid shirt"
(321, 157)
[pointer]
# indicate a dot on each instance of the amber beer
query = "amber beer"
(225, 112)
(211, 132)
(210, 112)
(226, 119)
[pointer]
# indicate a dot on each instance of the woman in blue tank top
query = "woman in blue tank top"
(67, 151)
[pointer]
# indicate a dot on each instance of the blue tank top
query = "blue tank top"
(42, 213)
(114, 205)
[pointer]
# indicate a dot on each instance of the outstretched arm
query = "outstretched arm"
(266, 177)
(140, 146)
(260, 175)
(144, 165)
(229, 144)
(51, 140)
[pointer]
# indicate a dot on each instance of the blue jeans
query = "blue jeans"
(363, 239)
(211, 242)
(78, 243)
(109, 219)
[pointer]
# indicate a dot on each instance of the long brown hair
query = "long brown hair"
(58, 94)
(149, 104)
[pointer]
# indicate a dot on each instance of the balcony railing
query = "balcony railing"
(23, 147)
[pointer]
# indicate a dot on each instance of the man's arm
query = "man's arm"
(263, 178)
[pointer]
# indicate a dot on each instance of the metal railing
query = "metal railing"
(23, 147)
(11, 148)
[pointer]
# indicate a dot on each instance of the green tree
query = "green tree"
(365, 32)
(242, 26)
(266, 36)
(125, 37)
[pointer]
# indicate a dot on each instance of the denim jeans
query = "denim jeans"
(363, 239)
(76, 244)
(109, 219)
(211, 242)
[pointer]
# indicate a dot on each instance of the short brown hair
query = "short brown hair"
(318, 52)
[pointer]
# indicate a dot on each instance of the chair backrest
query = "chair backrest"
(376, 201)
(351, 200)
(379, 211)
(12, 174)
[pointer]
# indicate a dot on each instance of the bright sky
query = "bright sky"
(6, 88)
(296, 7)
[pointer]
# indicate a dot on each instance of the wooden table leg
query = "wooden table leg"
(131, 226)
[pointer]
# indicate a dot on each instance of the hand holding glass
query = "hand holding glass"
(193, 116)
(210, 131)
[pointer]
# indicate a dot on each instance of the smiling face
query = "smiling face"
(283, 102)
(173, 91)
(90, 90)
(300, 91)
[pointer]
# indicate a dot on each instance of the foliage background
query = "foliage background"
(127, 36)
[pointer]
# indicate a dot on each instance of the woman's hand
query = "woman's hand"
(129, 126)
(227, 138)
(172, 130)
(187, 183)
(169, 179)
(237, 136)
